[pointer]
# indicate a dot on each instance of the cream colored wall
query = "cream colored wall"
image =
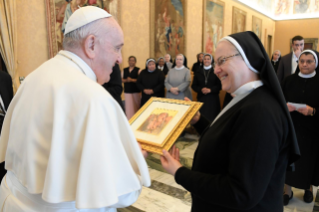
(286, 30)
(32, 36)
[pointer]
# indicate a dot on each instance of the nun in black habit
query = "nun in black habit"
(161, 65)
(303, 87)
(207, 86)
(242, 157)
(199, 64)
(275, 59)
(150, 81)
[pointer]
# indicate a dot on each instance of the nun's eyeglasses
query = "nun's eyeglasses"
(306, 61)
(221, 61)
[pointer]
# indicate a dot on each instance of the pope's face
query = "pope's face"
(109, 51)
(233, 73)
(307, 64)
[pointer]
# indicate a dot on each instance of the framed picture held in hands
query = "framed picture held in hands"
(159, 123)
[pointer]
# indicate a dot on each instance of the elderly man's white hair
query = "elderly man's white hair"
(73, 39)
(276, 51)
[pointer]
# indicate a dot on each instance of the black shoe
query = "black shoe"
(308, 196)
(287, 198)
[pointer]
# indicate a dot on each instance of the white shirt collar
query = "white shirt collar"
(79, 63)
(247, 88)
(180, 68)
(207, 67)
(307, 75)
(294, 63)
(161, 68)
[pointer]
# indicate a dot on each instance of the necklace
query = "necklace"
(206, 76)
(73, 62)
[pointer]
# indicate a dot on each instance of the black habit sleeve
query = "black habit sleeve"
(114, 86)
(160, 86)
(202, 124)
(196, 85)
(253, 152)
(139, 81)
(216, 86)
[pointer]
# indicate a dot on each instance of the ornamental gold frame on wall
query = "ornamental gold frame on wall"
(175, 132)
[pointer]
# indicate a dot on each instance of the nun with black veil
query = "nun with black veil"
(303, 87)
(200, 62)
(242, 156)
(207, 86)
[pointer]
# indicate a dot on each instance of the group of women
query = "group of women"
(260, 145)
(176, 79)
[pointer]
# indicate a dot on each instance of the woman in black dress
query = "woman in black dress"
(199, 64)
(303, 88)
(207, 86)
(161, 65)
(150, 82)
(242, 157)
(275, 59)
(132, 94)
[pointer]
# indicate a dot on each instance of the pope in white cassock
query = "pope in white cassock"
(66, 142)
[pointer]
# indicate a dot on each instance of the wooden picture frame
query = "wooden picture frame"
(55, 11)
(213, 24)
(239, 20)
(159, 123)
(256, 26)
(167, 28)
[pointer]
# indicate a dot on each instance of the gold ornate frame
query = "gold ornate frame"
(175, 132)
(51, 24)
(237, 10)
(152, 27)
(204, 20)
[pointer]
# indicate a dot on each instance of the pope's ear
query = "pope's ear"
(90, 46)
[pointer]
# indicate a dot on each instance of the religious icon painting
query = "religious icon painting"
(257, 26)
(239, 20)
(213, 24)
(159, 123)
(59, 11)
(167, 25)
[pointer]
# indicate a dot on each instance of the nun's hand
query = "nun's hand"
(291, 108)
(170, 160)
(197, 115)
(307, 111)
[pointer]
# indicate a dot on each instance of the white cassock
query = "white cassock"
(68, 145)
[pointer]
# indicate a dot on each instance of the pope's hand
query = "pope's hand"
(170, 160)
(197, 115)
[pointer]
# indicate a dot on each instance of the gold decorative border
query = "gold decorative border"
(204, 20)
(51, 24)
(176, 131)
(152, 27)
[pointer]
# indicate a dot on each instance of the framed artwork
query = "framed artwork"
(239, 20)
(310, 43)
(213, 24)
(160, 121)
(58, 12)
(168, 27)
(257, 26)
